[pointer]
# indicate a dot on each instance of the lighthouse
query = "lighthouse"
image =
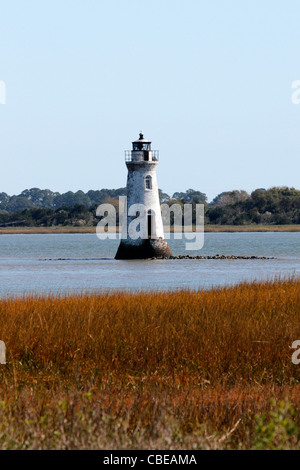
(142, 227)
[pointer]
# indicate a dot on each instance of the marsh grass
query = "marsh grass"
(207, 228)
(150, 370)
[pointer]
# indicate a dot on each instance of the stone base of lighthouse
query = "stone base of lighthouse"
(148, 248)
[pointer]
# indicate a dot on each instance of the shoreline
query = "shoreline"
(207, 229)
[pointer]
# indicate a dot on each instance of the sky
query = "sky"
(209, 83)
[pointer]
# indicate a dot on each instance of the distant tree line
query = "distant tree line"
(46, 199)
(277, 206)
(42, 207)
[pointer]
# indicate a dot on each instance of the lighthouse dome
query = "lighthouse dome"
(141, 139)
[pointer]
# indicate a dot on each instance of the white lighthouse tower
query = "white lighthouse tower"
(142, 202)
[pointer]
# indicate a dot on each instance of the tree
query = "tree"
(4, 200)
(229, 197)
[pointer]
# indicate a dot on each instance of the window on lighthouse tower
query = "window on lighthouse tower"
(148, 182)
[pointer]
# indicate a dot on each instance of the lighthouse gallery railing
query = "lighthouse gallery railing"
(129, 153)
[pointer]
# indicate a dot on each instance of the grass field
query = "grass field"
(207, 228)
(182, 370)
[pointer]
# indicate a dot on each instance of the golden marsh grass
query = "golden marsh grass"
(149, 370)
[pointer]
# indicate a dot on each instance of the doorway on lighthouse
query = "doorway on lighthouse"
(150, 222)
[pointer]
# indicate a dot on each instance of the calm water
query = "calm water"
(30, 263)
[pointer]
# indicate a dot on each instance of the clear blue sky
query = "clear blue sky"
(208, 82)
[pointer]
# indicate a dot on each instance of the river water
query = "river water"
(68, 263)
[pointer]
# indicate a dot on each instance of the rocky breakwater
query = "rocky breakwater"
(227, 257)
